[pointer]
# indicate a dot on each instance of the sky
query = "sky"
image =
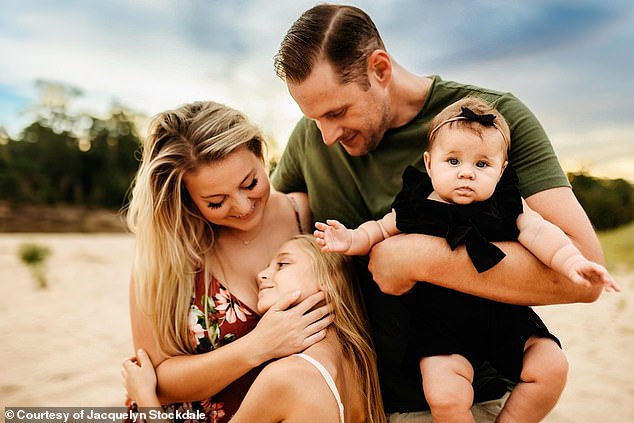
(570, 61)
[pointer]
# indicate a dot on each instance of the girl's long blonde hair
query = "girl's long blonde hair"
(172, 236)
(334, 275)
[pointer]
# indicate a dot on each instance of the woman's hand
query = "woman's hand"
(287, 329)
(139, 380)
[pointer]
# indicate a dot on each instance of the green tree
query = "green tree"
(608, 202)
(70, 158)
(110, 163)
(49, 165)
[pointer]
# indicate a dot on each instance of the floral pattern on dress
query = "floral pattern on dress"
(213, 412)
(196, 330)
(229, 307)
(222, 307)
(225, 320)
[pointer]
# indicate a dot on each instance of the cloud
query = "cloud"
(604, 153)
(566, 59)
(455, 32)
(147, 55)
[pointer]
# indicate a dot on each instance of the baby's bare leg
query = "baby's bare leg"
(447, 383)
(543, 378)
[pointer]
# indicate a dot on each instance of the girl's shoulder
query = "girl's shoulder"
(282, 391)
(288, 370)
(294, 375)
(300, 384)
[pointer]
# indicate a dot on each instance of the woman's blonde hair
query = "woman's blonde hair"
(172, 236)
(334, 275)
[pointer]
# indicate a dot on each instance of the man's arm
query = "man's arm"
(520, 278)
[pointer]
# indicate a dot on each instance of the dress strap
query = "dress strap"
(295, 206)
(329, 380)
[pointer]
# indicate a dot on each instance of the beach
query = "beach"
(63, 346)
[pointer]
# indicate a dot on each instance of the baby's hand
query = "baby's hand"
(585, 272)
(139, 380)
(332, 236)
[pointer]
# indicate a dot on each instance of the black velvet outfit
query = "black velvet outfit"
(450, 322)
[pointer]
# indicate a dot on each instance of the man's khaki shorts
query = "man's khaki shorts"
(483, 412)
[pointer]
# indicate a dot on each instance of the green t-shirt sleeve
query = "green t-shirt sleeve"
(288, 176)
(532, 154)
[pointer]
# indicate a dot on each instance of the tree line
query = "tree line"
(45, 166)
(609, 203)
(83, 160)
(69, 158)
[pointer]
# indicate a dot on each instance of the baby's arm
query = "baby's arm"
(335, 237)
(551, 245)
(139, 380)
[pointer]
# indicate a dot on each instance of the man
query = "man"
(365, 119)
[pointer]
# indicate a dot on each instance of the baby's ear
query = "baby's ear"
(427, 160)
(506, 162)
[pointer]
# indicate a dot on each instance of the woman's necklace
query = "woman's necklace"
(243, 241)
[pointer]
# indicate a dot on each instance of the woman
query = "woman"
(334, 380)
(206, 221)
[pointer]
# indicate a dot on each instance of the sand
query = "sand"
(63, 346)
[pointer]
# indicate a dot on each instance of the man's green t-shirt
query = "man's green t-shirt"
(357, 189)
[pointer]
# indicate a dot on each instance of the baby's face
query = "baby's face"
(465, 168)
(290, 270)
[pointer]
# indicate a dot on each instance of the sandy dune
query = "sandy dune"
(63, 346)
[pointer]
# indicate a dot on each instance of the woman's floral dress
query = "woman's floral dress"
(228, 319)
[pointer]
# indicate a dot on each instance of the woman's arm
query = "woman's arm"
(199, 376)
(398, 262)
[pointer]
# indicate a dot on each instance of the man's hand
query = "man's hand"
(389, 265)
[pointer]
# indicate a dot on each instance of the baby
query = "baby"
(470, 197)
